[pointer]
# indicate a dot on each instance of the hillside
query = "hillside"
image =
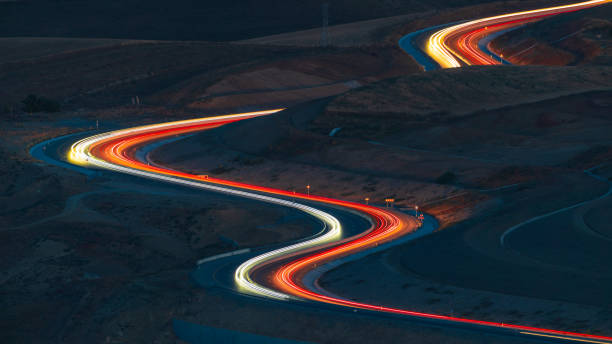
(395, 104)
(192, 20)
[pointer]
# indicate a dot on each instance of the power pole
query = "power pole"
(324, 34)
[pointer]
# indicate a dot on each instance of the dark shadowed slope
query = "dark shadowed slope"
(192, 20)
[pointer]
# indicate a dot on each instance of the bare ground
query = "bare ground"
(114, 268)
(551, 273)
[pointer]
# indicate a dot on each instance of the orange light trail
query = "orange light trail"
(116, 151)
(457, 44)
(449, 47)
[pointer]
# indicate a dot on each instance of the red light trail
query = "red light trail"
(116, 151)
(457, 44)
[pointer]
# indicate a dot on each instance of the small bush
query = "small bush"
(34, 103)
(447, 177)
(221, 170)
(433, 300)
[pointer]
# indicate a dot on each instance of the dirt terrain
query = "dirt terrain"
(463, 271)
(84, 253)
(450, 94)
(542, 149)
(80, 251)
(106, 258)
(190, 76)
(509, 164)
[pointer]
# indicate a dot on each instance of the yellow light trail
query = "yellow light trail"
(114, 151)
(582, 340)
(113, 157)
(440, 50)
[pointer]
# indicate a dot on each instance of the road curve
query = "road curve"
(454, 46)
(502, 239)
(460, 44)
(117, 150)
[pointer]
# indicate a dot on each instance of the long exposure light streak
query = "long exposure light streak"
(454, 45)
(115, 151)
(450, 47)
(114, 154)
(81, 153)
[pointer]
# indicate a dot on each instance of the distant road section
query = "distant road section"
(462, 44)
(409, 44)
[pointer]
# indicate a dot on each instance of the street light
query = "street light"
(416, 211)
(308, 189)
(366, 200)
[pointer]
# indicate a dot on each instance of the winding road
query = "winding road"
(467, 43)
(289, 273)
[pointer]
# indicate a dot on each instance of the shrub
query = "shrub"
(447, 177)
(34, 103)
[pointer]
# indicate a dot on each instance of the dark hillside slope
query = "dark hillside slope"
(192, 20)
